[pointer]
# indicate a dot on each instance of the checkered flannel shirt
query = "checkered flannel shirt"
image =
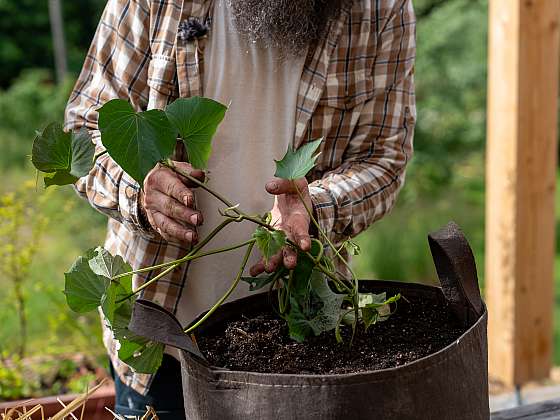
(356, 91)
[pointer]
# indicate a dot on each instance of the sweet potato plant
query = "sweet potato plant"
(313, 298)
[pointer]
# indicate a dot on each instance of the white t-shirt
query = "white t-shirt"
(261, 91)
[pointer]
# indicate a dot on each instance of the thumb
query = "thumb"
(278, 186)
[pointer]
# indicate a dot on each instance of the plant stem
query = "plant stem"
(186, 258)
(322, 233)
(229, 292)
(200, 184)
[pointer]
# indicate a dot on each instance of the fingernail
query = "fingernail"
(194, 219)
(190, 236)
(272, 186)
(188, 200)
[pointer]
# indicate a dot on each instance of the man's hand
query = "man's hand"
(168, 203)
(289, 215)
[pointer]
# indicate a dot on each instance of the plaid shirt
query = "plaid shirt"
(356, 91)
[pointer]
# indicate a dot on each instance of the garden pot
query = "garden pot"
(451, 383)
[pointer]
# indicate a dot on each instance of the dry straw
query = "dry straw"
(68, 411)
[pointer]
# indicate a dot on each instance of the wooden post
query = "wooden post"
(521, 174)
(59, 44)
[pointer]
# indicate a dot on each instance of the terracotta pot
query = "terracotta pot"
(95, 406)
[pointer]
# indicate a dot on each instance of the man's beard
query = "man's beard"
(289, 26)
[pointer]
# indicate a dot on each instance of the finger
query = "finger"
(168, 183)
(273, 263)
(278, 186)
(157, 201)
(290, 257)
(300, 231)
(173, 231)
(257, 269)
(195, 173)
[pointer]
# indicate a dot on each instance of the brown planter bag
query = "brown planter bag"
(451, 384)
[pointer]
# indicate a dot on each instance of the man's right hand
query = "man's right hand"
(168, 203)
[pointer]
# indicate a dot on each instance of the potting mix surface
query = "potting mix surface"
(259, 342)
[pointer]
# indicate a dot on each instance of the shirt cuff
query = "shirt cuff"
(324, 209)
(129, 207)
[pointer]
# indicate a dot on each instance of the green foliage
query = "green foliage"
(137, 141)
(63, 157)
(297, 163)
(375, 307)
(269, 242)
(143, 356)
(26, 40)
(319, 311)
(38, 101)
(84, 289)
(21, 229)
(197, 120)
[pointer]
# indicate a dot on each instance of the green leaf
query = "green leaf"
(256, 283)
(323, 314)
(83, 288)
(327, 318)
(107, 265)
(298, 325)
(110, 300)
(296, 164)
(353, 247)
(302, 274)
(269, 242)
(375, 307)
(142, 355)
(137, 141)
(197, 120)
(63, 157)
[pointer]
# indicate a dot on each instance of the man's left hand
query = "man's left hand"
(290, 216)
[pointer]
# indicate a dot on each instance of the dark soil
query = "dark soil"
(259, 342)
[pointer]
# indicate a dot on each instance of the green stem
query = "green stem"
(200, 184)
(322, 233)
(186, 258)
(194, 251)
(150, 282)
(229, 292)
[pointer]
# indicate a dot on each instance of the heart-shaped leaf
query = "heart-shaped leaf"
(63, 157)
(197, 120)
(269, 242)
(137, 141)
(323, 314)
(297, 163)
(143, 356)
(107, 265)
(83, 288)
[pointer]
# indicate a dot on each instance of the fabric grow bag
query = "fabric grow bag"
(449, 384)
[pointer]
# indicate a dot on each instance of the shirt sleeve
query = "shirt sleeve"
(116, 66)
(364, 188)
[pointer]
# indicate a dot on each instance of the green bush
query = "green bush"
(28, 105)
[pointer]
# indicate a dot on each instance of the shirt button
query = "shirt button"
(130, 192)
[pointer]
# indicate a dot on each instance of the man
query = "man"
(292, 71)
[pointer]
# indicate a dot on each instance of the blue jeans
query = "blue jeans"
(165, 394)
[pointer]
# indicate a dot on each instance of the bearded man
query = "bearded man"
(292, 71)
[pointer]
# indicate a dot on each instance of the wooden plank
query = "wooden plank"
(539, 411)
(521, 174)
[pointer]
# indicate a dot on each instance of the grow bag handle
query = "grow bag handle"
(456, 270)
(151, 321)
